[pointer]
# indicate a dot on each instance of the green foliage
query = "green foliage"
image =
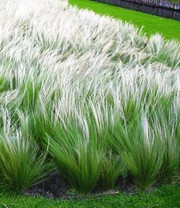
(139, 151)
(76, 152)
(95, 94)
(4, 85)
(21, 165)
(112, 168)
(165, 130)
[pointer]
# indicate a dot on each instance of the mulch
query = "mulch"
(57, 187)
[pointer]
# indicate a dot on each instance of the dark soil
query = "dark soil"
(57, 187)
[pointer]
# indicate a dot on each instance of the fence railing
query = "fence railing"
(158, 3)
(162, 8)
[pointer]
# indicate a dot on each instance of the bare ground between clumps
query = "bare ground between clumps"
(57, 187)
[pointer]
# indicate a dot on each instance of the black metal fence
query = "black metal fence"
(163, 8)
(158, 3)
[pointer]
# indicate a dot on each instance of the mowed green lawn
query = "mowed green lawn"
(170, 29)
(164, 197)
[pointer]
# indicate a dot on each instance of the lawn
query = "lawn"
(169, 28)
(164, 197)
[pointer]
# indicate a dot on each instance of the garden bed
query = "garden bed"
(55, 186)
(86, 96)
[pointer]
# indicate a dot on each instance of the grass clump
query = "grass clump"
(21, 164)
(140, 151)
(77, 155)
